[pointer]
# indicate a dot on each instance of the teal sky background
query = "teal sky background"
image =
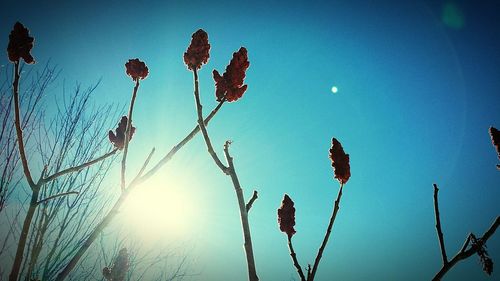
(418, 87)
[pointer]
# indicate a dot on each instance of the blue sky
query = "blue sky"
(416, 97)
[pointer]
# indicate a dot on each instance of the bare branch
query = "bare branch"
(252, 272)
(250, 203)
(15, 86)
(141, 171)
(127, 134)
(79, 167)
(199, 110)
(56, 195)
(327, 234)
(438, 226)
(463, 254)
(295, 261)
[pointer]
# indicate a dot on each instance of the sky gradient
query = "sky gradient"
(418, 87)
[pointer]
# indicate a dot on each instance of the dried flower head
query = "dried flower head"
(20, 44)
(340, 162)
(486, 261)
(118, 137)
(198, 51)
(136, 69)
(230, 84)
(495, 139)
(286, 216)
(118, 271)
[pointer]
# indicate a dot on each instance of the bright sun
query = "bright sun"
(160, 207)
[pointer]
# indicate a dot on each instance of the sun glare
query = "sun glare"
(160, 208)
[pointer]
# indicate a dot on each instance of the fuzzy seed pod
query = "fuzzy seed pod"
(197, 53)
(340, 162)
(230, 84)
(117, 138)
(286, 216)
(136, 69)
(20, 44)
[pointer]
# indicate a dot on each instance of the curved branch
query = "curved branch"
(57, 195)
(199, 110)
(19, 131)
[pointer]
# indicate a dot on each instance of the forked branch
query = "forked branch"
(464, 252)
(201, 124)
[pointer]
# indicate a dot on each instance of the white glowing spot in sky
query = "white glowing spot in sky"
(335, 89)
(159, 208)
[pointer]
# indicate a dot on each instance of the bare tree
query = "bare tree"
(34, 87)
(60, 224)
(20, 44)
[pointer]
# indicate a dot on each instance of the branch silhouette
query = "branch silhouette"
(465, 251)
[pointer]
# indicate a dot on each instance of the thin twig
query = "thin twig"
(250, 203)
(79, 167)
(463, 254)
(56, 195)
(438, 226)
(466, 243)
(295, 261)
(141, 171)
(127, 134)
(199, 110)
(327, 234)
